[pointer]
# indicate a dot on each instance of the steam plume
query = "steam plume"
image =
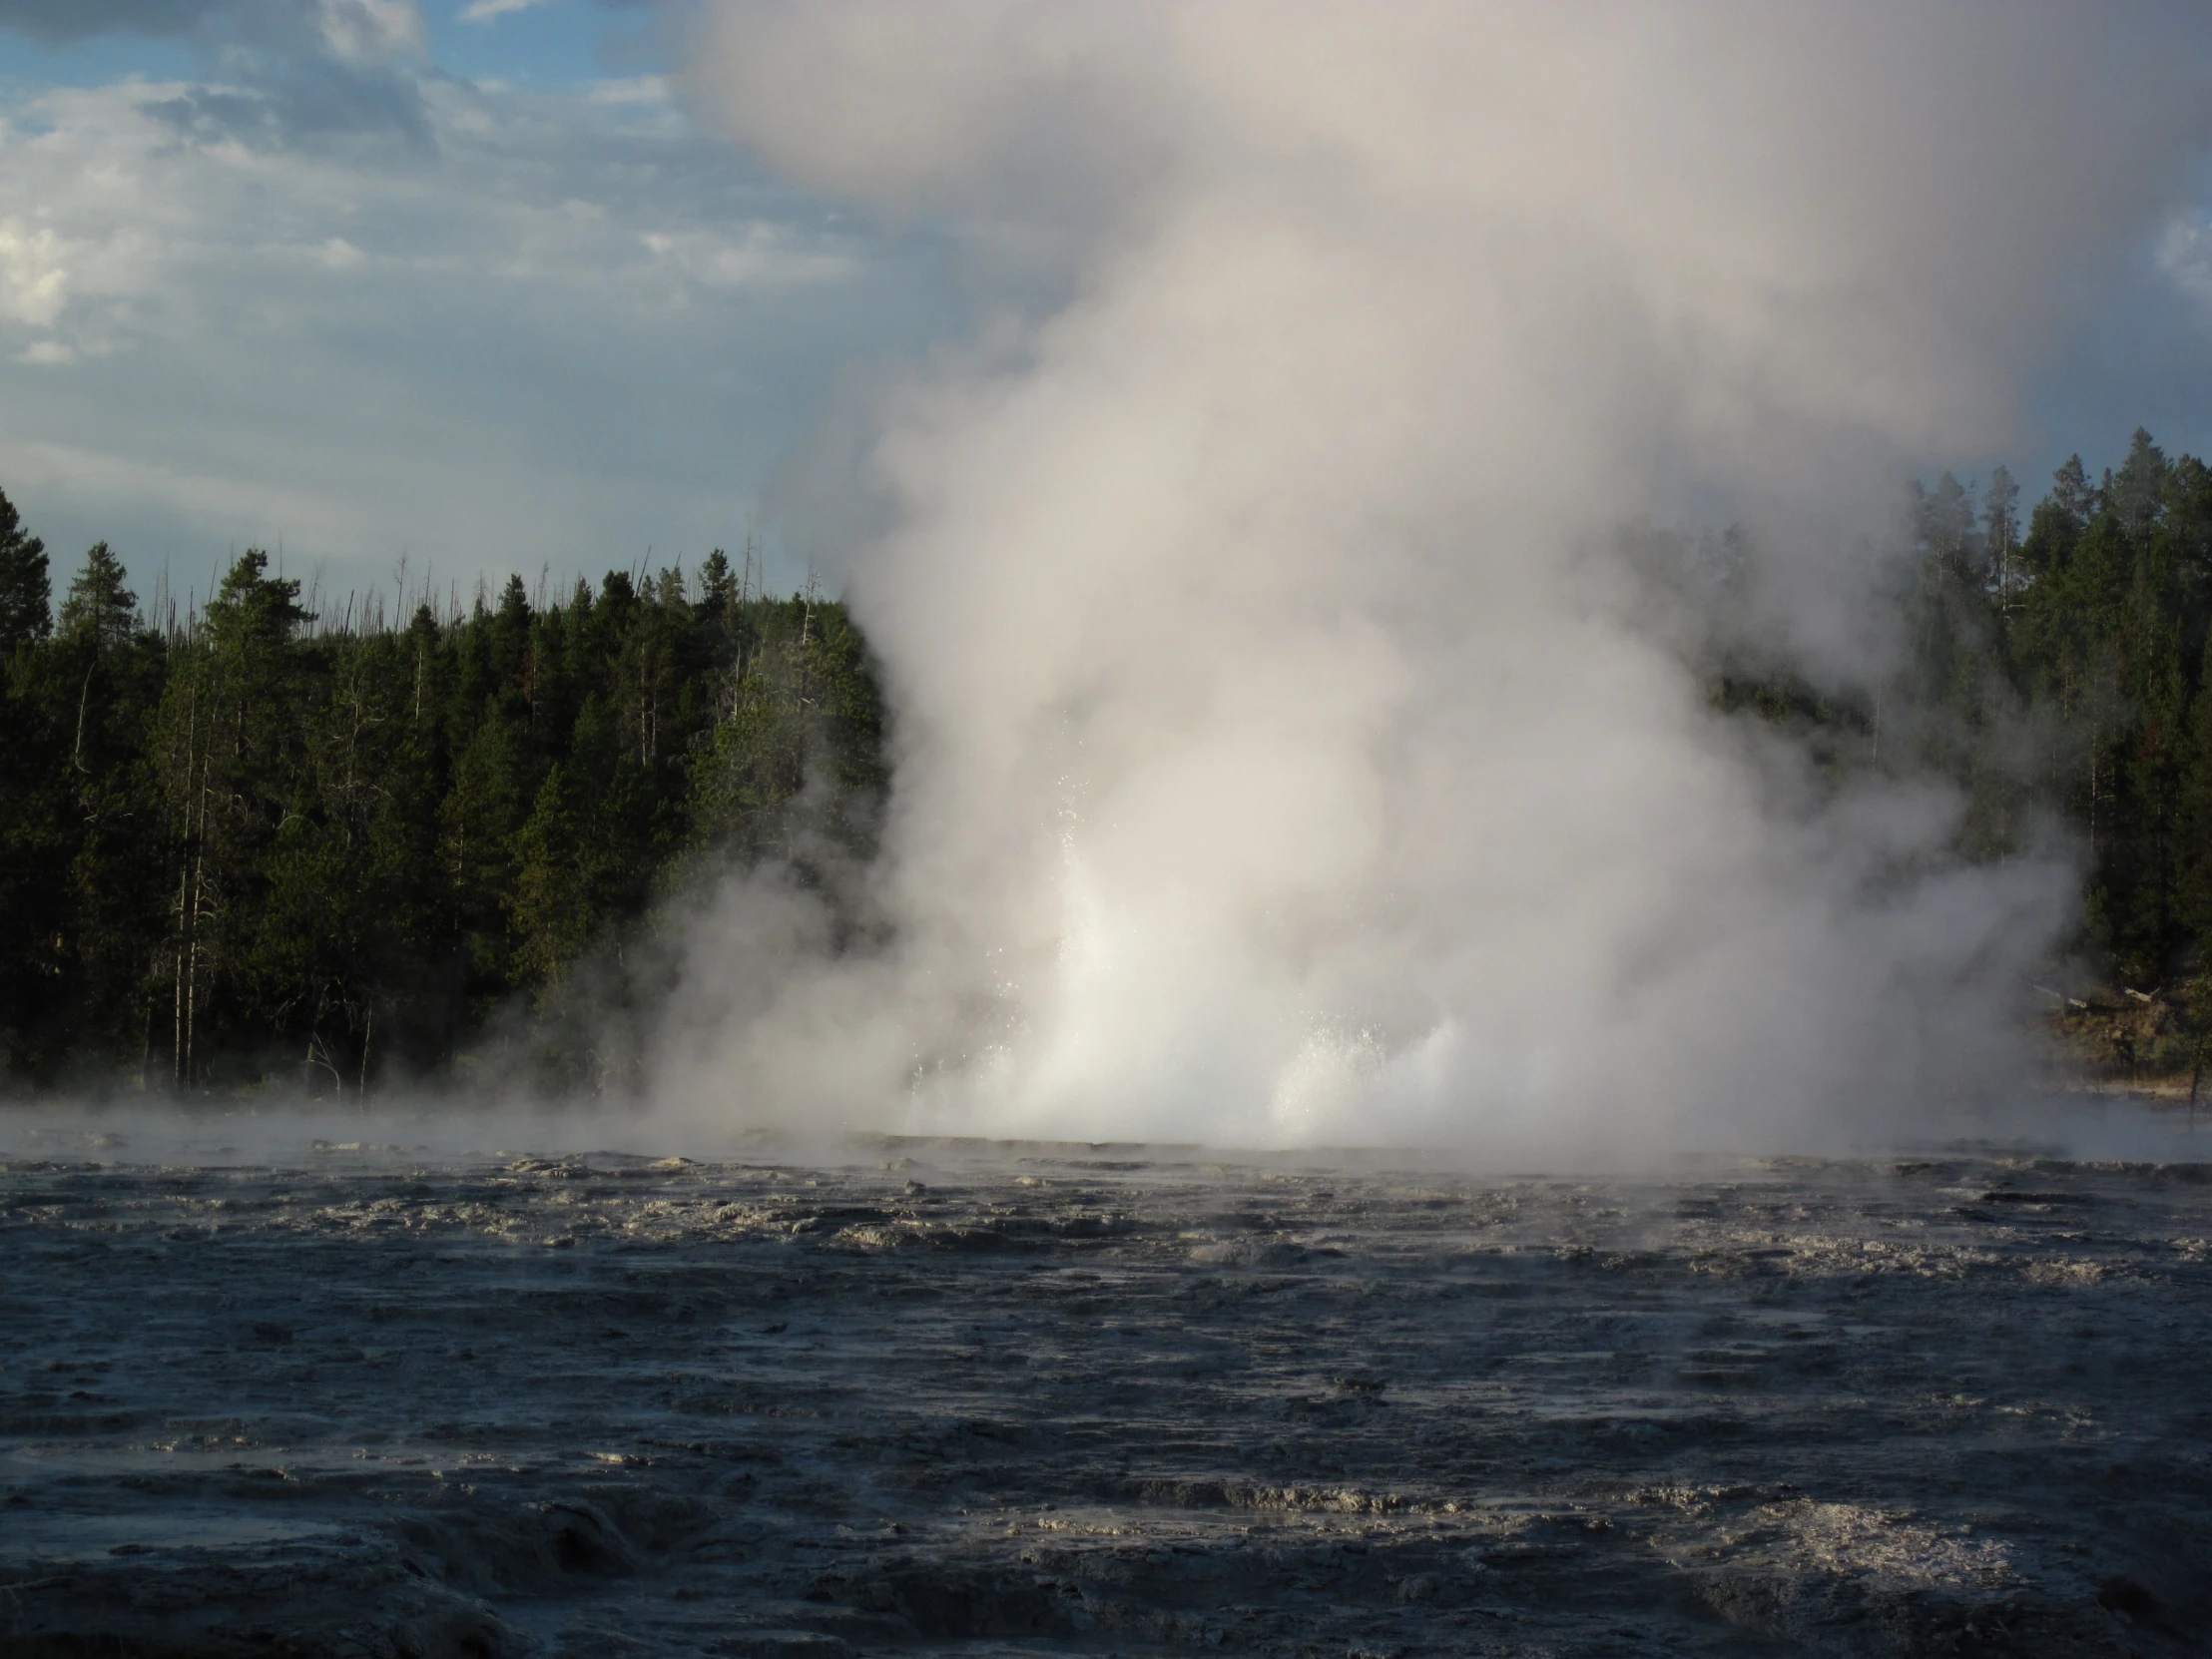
(1283, 752)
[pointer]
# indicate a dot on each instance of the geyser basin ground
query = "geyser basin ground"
(947, 1398)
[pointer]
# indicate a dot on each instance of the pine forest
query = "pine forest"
(269, 841)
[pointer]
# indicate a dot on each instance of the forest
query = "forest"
(251, 845)
(268, 840)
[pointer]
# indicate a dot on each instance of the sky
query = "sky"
(367, 281)
(463, 286)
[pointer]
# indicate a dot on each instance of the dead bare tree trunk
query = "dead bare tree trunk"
(199, 915)
(183, 892)
(84, 695)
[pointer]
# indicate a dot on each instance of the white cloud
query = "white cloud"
(763, 255)
(632, 89)
(466, 351)
(371, 31)
(484, 11)
(34, 278)
(107, 221)
(2185, 255)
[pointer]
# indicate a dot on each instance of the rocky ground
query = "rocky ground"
(940, 1398)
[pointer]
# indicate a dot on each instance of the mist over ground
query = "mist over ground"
(1287, 751)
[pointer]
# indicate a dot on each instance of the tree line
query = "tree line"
(2055, 672)
(251, 845)
(254, 844)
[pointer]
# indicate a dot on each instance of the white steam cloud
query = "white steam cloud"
(1282, 753)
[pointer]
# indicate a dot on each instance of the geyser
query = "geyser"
(1285, 751)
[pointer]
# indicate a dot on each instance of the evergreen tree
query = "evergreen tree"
(239, 849)
(2136, 492)
(26, 600)
(99, 608)
(2072, 497)
(556, 870)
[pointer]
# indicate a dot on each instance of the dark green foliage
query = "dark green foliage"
(257, 848)
(2056, 677)
(26, 612)
(248, 849)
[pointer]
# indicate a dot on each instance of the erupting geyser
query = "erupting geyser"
(1287, 754)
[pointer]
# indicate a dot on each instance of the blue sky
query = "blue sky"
(546, 43)
(459, 283)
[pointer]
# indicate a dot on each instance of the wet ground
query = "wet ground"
(933, 1398)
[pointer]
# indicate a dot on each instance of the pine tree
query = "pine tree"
(99, 608)
(2136, 492)
(551, 907)
(37, 837)
(2072, 496)
(26, 599)
(479, 817)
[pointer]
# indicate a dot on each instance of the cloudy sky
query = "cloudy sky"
(455, 281)
(461, 282)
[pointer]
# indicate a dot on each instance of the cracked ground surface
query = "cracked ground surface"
(917, 1396)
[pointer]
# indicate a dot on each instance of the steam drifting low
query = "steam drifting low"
(1286, 752)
